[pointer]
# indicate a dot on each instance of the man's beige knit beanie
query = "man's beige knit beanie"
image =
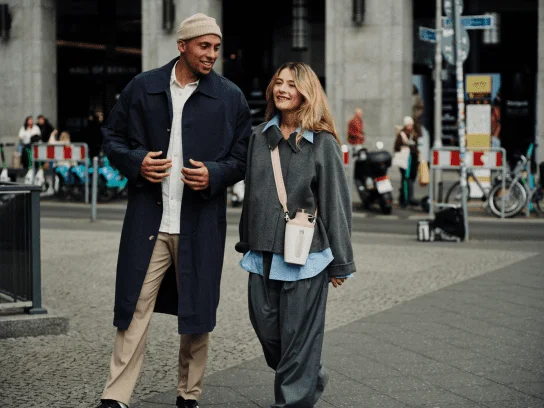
(197, 25)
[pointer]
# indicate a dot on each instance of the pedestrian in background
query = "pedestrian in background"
(496, 121)
(406, 158)
(356, 135)
(179, 133)
(28, 134)
(417, 111)
(287, 301)
(93, 135)
(64, 139)
(46, 128)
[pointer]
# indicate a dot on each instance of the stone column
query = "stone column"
(370, 66)
(28, 67)
(159, 46)
(540, 87)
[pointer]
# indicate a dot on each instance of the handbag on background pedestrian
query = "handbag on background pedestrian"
(423, 173)
(400, 158)
(402, 149)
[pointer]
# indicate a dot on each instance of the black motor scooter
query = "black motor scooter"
(371, 179)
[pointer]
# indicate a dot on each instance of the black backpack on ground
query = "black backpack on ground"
(449, 224)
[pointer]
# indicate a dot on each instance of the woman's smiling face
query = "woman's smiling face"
(286, 96)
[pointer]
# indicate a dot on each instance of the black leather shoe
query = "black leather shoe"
(109, 404)
(183, 403)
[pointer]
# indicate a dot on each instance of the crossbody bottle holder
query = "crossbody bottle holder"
(299, 231)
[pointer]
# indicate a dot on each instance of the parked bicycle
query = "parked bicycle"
(535, 199)
(517, 192)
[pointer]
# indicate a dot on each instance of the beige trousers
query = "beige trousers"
(128, 351)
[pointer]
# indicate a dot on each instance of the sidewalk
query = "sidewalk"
(477, 343)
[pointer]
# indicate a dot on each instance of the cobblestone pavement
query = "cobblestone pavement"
(78, 274)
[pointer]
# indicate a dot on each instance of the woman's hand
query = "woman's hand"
(337, 281)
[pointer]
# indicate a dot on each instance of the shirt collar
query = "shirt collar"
(275, 121)
(274, 136)
(173, 79)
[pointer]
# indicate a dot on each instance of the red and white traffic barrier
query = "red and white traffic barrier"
(46, 152)
(473, 158)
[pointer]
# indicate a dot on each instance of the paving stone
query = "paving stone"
(457, 379)
(428, 396)
(536, 389)
(401, 383)
(517, 403)
(487, 393)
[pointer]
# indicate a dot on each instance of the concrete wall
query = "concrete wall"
(540, 87)
(28, 67)
(370, 66)
(159, 46)
(313, 56)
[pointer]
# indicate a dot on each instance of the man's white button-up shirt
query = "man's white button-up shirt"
(172, 186)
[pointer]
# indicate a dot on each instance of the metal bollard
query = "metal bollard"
(94, 188)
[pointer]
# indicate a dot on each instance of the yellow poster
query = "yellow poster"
(478, 84)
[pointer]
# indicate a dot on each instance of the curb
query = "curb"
(24, 325)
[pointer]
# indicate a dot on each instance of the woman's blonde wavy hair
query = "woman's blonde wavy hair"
(314, 113)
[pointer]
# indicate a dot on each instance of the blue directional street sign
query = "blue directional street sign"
(427, 34)
(472, 22)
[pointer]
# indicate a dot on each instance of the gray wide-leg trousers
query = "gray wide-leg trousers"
(289, 320)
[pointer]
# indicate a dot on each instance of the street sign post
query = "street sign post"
(458, 33)
(448, 48)
(448, 7)
(438, 90)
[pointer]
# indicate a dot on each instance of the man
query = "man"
(417, 110)
(179, 133)
(93, 135)
(46, 128)
(356, 135)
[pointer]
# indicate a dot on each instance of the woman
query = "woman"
(287, 301)
(406, 141)
(28, 134)
(64, 138)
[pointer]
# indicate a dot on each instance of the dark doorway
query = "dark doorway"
(253, 48)
(98, 53)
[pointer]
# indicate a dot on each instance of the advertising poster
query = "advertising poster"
(481, 116)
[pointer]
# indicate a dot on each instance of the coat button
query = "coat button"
(159, 202)
(151, 237)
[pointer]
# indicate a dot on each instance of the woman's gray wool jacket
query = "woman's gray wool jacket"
(314, 176)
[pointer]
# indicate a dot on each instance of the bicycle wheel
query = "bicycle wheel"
(515, 197)
(454, 194)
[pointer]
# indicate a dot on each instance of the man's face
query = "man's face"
(200, 53)
(41, 120)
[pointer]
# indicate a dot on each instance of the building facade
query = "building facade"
(68, 59)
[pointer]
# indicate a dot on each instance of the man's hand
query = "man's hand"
(198, 179)
(154, 170)
(337, 281)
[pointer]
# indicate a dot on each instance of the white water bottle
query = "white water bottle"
(299, 233)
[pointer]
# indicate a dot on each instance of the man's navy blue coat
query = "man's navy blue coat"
(216, 125)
